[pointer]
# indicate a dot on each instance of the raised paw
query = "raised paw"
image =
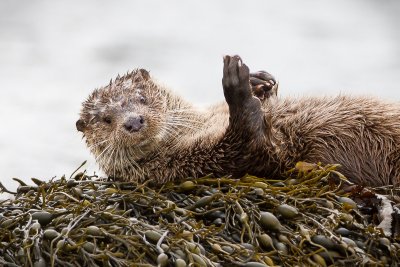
(236, 81)
(245, 113)
(263, 85)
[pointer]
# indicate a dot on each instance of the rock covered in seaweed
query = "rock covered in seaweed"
(307, 219)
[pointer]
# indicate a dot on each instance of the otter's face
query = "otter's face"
(123, 119)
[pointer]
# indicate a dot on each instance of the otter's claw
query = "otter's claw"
(263, 85)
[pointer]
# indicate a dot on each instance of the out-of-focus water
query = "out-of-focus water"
(53, 53)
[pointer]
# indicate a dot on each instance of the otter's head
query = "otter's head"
(124, 121)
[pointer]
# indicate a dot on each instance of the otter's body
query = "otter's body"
(361, 134)
(139, 130)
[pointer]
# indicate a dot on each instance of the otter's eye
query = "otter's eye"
(142, 100)
(107, 119)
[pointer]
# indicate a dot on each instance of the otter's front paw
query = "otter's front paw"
(236, 82)
(263, 85)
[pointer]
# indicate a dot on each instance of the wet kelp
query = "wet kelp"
(313, 218)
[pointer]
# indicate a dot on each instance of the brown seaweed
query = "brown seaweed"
(313, 218)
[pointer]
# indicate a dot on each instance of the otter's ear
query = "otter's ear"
(80, 125)
(145, 74)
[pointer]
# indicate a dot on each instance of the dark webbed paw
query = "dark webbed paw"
(263, 84)
(244, 108)
(236, 82)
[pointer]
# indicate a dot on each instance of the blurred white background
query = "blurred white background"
(54, 53)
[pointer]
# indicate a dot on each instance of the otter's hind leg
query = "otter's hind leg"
(263, 85)
(249, 142)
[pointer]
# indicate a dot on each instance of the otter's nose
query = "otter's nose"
(134, 123)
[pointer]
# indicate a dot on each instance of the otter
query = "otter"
(139, 130)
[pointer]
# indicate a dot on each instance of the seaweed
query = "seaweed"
(314, 217)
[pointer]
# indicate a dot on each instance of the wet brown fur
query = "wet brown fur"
(241, 136)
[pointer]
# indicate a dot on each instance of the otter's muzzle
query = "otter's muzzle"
(134, 123)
